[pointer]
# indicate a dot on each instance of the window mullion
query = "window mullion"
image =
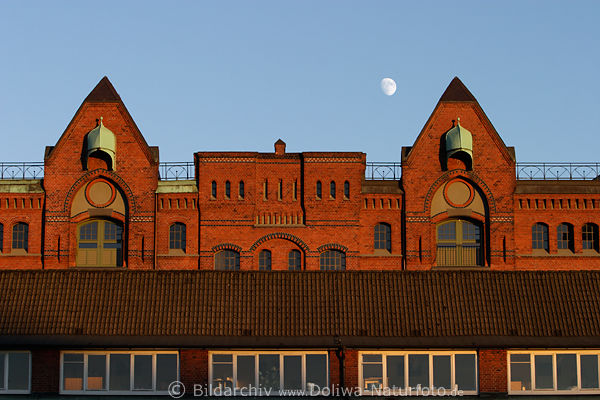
(452, 372)
(578, 360)
(303, 373)
(85, 372)
(131, 375)
(107, 371)
(154, 372)
(554, 372)
(430, 370)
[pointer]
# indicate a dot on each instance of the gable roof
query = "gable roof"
(217, 308)
(457, 91)
(104, 92)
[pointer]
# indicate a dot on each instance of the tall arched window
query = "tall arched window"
(241, 190)
(213, 189)
(227, 189)
(20, 239)
(227, 260)
(459, 243)
(333, 260)
(177, 236)
(264, 260)
(319, 190)
(332, 189)
(539, 237)
(346, 190)
(100, 244)
(564, 237)
(1, 238)
(383, 237)
(295, 260)
(589, 236)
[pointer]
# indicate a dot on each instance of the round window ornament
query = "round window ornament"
(100, 193)
(458, 193)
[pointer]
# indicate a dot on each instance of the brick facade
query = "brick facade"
(250, 202)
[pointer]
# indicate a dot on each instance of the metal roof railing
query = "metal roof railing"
(174, 171)
(21, 170)
(558, 171)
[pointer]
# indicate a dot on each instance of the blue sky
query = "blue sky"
(238, 75)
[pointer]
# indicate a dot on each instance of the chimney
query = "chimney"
(280, 147)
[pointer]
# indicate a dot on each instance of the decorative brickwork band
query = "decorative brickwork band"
(332, 246)
(226, 246)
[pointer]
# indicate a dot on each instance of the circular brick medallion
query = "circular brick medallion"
(458, 193)
(100, 193)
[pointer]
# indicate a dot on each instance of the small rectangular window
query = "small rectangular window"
(96, 379)
(15, 372)
(18, 372)
(268, 371)
(588, 365)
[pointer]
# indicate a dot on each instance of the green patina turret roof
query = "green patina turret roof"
(459, 139)
(101, 138)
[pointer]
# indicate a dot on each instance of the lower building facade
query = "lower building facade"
(360, 333)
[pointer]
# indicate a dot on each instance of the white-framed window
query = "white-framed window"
(264, 373)
(553, 372)
(403, 373)
(118, 372)
(15, 372)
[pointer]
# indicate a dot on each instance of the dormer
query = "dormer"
(459, 146)
(101, 148)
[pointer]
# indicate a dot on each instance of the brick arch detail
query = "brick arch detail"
(332, 246)
(280, 235)
(120, 183)
(226, 246)
(460, 173)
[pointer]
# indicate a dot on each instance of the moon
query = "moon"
(388, 86)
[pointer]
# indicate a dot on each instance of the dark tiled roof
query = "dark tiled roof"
(447, 305)
(457, 91)
(104, 92)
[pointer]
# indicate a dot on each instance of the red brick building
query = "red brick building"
(455, 268)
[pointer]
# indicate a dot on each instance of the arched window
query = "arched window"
(589, 236)
(213, 190)
(100, 244)
(177, 236)
(332, 189)
(1, 238)
(564, 237)
(539, 236)
(227, 260)
(459, 244)
(264, 260)
(20, 239)
(383, 237)
(346, 190)
(241, 190)
(227, 189)
(333, 260)
(294, 260)
(319, 190)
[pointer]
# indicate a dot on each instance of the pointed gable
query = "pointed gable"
(103, 93)
(458, 98)
(457, 91)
